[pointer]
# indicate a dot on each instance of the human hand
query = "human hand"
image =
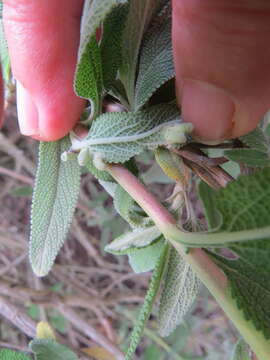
(220, 43)
(43, 38)
(222, 64)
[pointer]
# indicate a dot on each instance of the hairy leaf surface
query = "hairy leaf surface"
(156, 60)
(207, 196)
(148, 304)
(117, 137)
(138, 238)
(139, 16)
(249, 157)
(12, 355)
(126, 207)
(45, 349)
(181, 287)
(257, 154)
(89, 77)
(111, 54)
(245, 204)
(55, 196)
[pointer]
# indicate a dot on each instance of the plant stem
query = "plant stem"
(209, 273)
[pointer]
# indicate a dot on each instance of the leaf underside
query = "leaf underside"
(148, 304)
(156, 60)
(54, 200)
(120, 136)
(245, 204)
(181, 287)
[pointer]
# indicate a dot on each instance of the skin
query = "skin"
(221, 60)
(1, 98)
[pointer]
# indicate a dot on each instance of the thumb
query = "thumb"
(43, 38)
(222, 64)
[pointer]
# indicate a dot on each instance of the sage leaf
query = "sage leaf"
(138, 238)
(55, 195)
(156, 61)
(148, 304)
(249, 157)
(125, 206)
(257, 154)
(256, 140)
(110, 47)
(88, 78)
(207, 196)
(145, 259)
(181, 287)
(241, 351)
(99, 174)
(6, 354)
(117, 137)
(245, 204)
(94, 13)
(139, 17)
(45, 349)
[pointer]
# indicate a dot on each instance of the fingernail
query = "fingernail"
(27, 112)
(209, 109)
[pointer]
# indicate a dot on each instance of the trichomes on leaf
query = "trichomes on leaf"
(131, 66)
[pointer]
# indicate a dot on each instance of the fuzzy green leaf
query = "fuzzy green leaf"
(55, 196)
(138, 238)
(125, 206)
(110, 46)
(94, 13)
(45, 349)
(145, 259)
(256, 139)
(207, 196)
(99, 174)
(181, 287)
(139, 16)
(156, 61)
(148, 304)
(117, 137)
(88, 77)
(241, 351)
(245, 204)
(249, 157)
(257, 154)
(6, 354)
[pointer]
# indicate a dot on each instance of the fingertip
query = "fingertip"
(27, 112)
(209, 109)
(55, 122)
